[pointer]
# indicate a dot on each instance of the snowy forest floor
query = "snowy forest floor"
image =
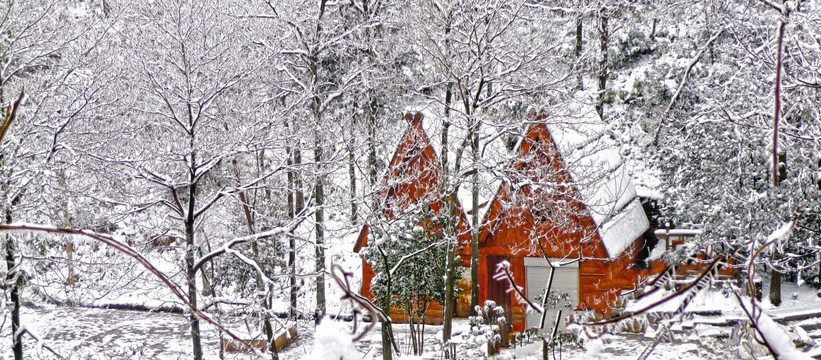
(87, 333)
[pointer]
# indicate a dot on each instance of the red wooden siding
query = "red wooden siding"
(516, 225)
(414, 178)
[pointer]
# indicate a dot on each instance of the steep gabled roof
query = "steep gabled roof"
(413, 178)
(589, 162)
(591, 156)
(414, 173)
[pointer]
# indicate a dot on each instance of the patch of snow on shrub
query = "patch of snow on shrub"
(333, 340)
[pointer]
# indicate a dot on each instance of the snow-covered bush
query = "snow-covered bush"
(631, 47)
(408, 257)
(484, 327)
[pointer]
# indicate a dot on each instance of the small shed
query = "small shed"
(695, 263)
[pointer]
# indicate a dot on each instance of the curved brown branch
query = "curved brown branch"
(127, 250)
(341, 277)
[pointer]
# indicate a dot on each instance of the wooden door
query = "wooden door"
(497, 291)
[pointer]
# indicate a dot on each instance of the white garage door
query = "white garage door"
(565, 280)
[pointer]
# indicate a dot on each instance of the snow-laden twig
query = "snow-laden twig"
(39, 339)
(251, 263)
(503, 273)
(694, 285)
(251, 238)
(408, 256)
(780, 236)
(772, 5)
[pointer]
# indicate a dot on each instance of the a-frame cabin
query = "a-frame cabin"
(565, 196)
(414, 179)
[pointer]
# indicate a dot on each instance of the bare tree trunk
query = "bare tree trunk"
(319, 216)
(578, 49)
(12, 278)
(775, 287)
(450, 273)
(777, 107)
(473, 137)
(387, 350)
(775, 278)
(352, 164)
(299, 203)
(291, 215)
(603, 73)
(67, 223)
(447, 315)
(371, 110)
(190, 252)
(387, 331)
(411, 330)
(474, 236)
(267, 327)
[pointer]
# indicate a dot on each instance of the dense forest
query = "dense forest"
(220, 156)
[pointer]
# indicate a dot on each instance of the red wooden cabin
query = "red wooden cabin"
(564, 194)
(413, 179)
(569, 199)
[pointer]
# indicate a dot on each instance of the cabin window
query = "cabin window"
(540, 212)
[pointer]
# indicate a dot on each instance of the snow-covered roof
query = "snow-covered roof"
(591, 156)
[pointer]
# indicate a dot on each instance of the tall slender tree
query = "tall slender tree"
(187, 69)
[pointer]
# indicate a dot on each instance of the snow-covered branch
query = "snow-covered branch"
(226, 247)
(129, 251)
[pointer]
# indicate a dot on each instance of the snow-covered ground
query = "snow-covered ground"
(82, 333)
(86, 333)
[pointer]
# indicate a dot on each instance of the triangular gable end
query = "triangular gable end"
(539, 174)
(414, 176)
(526, 201)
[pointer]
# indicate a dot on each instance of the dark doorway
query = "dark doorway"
(497, 291)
